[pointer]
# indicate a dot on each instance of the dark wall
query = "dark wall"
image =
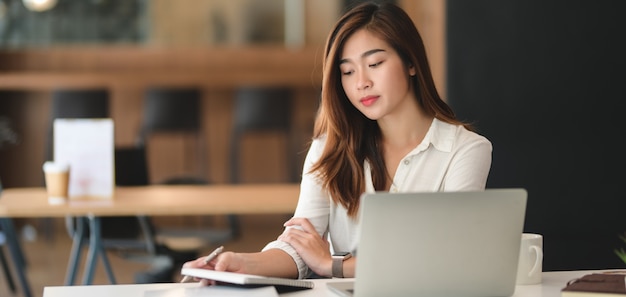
(545, 81)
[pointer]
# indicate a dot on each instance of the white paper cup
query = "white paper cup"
(57, 176)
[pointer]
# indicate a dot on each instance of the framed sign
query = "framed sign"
(88, 146)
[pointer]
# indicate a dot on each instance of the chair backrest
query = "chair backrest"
(80, 103)
(131, 166)
(176, 110)
(131, 169)
(261, 109)
(171, 110)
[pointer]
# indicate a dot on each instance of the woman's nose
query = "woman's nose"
(363, 82)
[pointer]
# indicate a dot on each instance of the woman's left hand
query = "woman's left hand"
(314, 250)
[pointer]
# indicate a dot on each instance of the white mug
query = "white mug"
(530, 259)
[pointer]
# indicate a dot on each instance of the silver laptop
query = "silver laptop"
(438, 244)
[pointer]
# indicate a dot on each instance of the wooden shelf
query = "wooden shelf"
(122, 67)
(219, 80)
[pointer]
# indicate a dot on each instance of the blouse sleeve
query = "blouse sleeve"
(313, 204)
(470, 165)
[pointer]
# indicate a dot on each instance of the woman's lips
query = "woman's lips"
(368, 100)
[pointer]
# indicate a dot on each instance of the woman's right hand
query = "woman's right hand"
(229, 261)
(226, 261)
(272, 262)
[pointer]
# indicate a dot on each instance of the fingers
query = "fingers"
(300, 233)
(294, 237)
(197, 263)
(302, 240)
(222, 262)
(226, 261)
(207, 282)
(302, 223)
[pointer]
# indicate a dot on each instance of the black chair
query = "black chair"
(135, 238)
(176, 111)
(259, 110)
(129, 233)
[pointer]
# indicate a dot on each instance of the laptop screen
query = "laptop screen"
(438, 244)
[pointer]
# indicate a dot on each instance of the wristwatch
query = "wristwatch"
(338, 259)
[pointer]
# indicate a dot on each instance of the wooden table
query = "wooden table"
(157, 200)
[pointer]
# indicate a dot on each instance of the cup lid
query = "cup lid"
(50, 166)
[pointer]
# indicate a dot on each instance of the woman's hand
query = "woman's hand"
(273, 262)
(227, 261)
(314, 250)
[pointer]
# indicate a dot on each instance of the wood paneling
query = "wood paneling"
(128, 71)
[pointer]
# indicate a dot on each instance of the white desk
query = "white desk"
(552, 284)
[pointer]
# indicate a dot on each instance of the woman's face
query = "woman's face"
(373, 76)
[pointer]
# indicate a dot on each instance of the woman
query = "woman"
(381, 126)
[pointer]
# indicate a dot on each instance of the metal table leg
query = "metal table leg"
(7, 272)
(16, 254)
(95, 249)
(77, 246)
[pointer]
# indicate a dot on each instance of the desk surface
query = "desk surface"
(552, 284)
(158, 200)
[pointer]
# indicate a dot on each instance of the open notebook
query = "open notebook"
(438, 244)
(282, 285)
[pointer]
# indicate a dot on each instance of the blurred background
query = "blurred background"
(128, 47)
(543, 80)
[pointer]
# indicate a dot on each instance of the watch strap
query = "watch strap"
(338, 267)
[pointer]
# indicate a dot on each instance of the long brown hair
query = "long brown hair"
(352, 138)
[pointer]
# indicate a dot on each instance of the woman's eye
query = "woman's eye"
(375, 64)
(346, 72)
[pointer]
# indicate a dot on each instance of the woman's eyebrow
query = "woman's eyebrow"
(363, 55)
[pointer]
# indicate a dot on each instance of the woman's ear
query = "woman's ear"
(412, 70)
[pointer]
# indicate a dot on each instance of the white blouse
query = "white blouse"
(450, 158)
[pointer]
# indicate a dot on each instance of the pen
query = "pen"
(207, 259)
